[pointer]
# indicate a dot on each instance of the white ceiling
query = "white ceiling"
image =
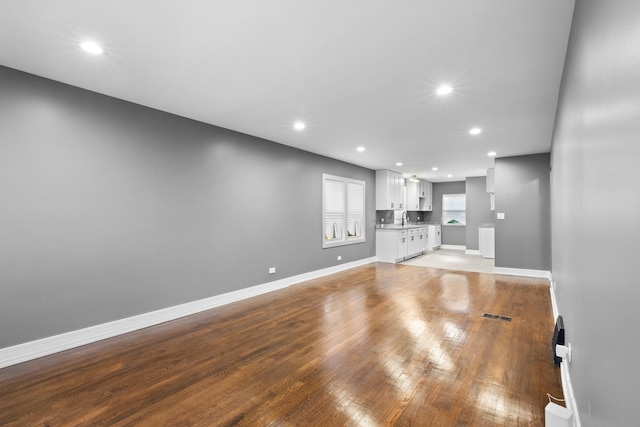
(359, 72)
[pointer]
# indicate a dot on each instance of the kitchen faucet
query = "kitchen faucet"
(405, 215)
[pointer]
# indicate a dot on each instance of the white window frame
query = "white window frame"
(348, 228)
(446, 218)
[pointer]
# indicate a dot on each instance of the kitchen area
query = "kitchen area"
(401, 208)
(410, 222)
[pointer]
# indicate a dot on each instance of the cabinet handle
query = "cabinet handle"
(391, 204)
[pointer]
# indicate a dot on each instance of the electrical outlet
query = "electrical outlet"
(500, 215)
(272, 270)
(339, 257)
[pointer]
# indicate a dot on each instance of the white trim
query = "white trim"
(554, 302)
(472, 252)
(454, 247)
(567, 391)
(542, 274)
(50, 345)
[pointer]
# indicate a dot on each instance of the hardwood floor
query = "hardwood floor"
(377, 345)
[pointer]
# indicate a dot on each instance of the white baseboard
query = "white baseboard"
(542, 274)
(472, 252)
(454, 247)
(567, 391)
(50, 345)
(554, 303)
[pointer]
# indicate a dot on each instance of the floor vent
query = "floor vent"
(495, 316)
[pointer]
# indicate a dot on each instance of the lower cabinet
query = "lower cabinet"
(435, 237)
(398, 245)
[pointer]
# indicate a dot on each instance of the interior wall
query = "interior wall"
(110, 209)
(478, 209)
(523, 238)
(596, 209)
(451, 234)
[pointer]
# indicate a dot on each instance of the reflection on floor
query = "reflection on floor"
(452, 259)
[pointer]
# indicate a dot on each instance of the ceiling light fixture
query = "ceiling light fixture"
(360, 149)
(399, 164)
(475, 131)
(434, 169)
(491, 154)
(449, 176)
(444, 90)
(299, 126)
(414, 178)
(92, 47)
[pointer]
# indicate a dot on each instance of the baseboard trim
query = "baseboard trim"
(554, 302)
(454, 247)
(66, 341)
(567, 391)
(472, 252)
(542, 274)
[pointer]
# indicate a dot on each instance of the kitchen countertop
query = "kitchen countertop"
(402, 227)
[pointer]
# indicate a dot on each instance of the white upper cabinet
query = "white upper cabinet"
(389, 190)
(491, 180)
(413, 195)
(419, 195)
(426, 195)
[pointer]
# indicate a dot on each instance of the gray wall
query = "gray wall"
(451, 234)
(478, 209)
(523, 238)
(596, 209)
(110, 209)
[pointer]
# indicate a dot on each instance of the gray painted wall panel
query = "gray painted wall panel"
(596, 209)
(523, 238)
(110, 209)
(478, 209)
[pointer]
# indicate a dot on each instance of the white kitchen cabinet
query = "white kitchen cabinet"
(413, 196)
(391, 245)
(417, 242)
(426, 195)
(424, 235)
(435, 237)
(486, 240)
(389, 190)
(491, 180)
(419, 195)
(491, 188)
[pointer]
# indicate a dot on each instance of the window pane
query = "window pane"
(355, 210)
(454, 209)
(343, 211)
(454, 202)
(334, 214)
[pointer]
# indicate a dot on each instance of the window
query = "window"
(454, 209)
(343, 219)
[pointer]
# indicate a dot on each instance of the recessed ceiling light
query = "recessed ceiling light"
(491, 154)
(444, 90)
(434, 169)
(399, 164)
(475, 131)
(360, 149)
(299, 126)
(449, 176)
(92, 47)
